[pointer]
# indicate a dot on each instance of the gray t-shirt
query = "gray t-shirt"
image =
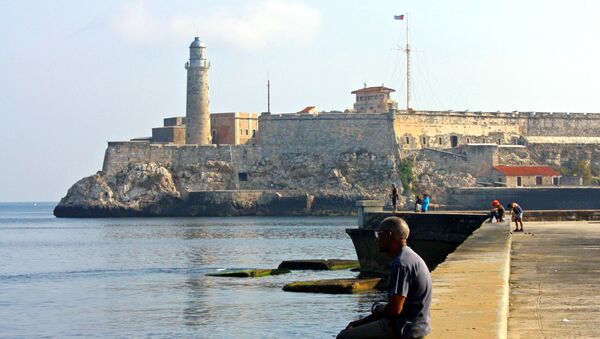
(409, 277)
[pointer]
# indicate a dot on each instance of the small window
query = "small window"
(407, 140)
(246, 131)
(424, 140)
(241, 131)
(538, 180)
(555, 181)
(519, 181)
(468, 140)
(499, 142)
(484, 140)
(242, 176)
(440, 140)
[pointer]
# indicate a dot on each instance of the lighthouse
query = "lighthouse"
(197, 115)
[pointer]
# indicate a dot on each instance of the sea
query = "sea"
(146, 277)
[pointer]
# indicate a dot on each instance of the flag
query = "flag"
(399, 17)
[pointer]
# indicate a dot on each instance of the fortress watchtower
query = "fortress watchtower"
(196, 112)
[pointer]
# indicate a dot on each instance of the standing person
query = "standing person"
(394, 196)
(418, 202)
(516, 213)
(425, 203)
(406, 314)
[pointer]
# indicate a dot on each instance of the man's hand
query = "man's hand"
(353, 324)
(378, 308)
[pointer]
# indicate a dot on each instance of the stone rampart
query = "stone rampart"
(332, 133)
(418, 129)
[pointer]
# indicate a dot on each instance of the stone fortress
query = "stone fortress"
(313, 162)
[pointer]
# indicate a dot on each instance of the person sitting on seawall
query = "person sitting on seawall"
(497, 212)
(425, 203)
(418, 202)
(406, 315)
(516, 213)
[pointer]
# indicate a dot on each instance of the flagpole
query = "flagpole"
(407, 50)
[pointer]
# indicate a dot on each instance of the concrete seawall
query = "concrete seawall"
(471, 287)
(531, 198)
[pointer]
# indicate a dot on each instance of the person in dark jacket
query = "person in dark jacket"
(394, 196)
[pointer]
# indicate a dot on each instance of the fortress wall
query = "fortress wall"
(563, 124)
(331, 133)
(490, 125)
(427, 129)
(119, 154)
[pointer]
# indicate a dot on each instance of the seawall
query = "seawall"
(530, 198)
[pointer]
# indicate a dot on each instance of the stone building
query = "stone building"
(235, 128)
(374, 100)
(521, 176)
(172, 132)
(230, 128)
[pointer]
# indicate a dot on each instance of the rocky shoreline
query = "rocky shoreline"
(148, 190)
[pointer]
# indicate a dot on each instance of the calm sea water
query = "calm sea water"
(146, 277)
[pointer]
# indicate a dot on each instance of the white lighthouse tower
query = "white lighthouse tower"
(197, 115)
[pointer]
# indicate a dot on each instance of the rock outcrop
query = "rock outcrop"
(141, 189)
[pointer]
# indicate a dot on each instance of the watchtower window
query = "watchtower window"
(453, 141)
(243, 176)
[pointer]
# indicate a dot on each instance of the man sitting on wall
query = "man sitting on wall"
(406, 315)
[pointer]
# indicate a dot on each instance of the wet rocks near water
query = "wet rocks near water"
(249, 273)
(333, 286)
(319, 264)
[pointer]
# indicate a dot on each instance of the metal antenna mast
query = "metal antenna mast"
(268, 94)
(407, 50)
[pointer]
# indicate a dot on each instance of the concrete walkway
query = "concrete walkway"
(555, 281)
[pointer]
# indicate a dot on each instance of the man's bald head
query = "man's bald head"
(396, 226)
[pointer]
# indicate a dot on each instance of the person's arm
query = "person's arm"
(394, 307)
(370, 318)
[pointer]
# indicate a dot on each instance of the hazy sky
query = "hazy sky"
(75, 74)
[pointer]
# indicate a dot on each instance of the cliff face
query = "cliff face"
(137, 190)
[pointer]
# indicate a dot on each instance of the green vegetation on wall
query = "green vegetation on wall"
(405, 169)
(579, 168)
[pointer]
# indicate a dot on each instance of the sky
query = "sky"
(76, 74)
